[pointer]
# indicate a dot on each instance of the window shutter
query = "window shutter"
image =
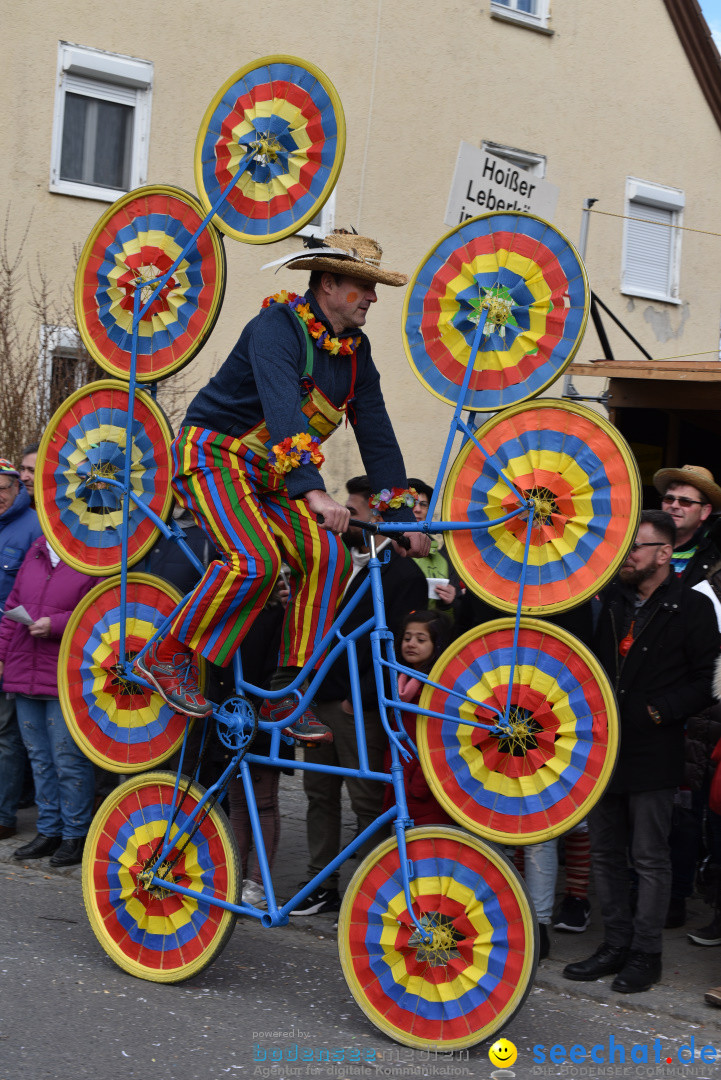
(649, 249)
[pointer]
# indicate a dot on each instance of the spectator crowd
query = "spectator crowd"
(651, 840)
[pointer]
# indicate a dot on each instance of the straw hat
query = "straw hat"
(694, 475)
(347, 253)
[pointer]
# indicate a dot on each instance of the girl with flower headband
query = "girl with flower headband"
(246, 464)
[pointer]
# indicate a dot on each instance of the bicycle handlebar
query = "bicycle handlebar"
(377, 528)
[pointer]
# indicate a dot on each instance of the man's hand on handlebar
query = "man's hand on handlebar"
(419, 545)
(331, 515)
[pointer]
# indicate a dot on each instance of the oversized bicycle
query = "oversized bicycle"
(517, 730)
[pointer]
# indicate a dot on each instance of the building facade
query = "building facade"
(601, 100)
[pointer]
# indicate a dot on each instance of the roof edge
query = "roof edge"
(695, 36)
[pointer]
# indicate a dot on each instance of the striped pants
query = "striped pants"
(244, 509)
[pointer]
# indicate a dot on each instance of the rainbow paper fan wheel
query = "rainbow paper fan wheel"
(138, 239)
(532, 285)
(533, 774)
(473, 975)
(146, 930)
(119, 725)
(282, 116)
(84, 445)
(583, 481)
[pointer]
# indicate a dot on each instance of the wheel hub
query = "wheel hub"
(518, 735)
(544, 504)
(148, 273)
(498, 304)
(151, 870)
(443, 939)
(266, 148)
(119, 681)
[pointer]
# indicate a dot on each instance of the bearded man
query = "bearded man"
(658, 641)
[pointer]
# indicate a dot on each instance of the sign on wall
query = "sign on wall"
(483, 183)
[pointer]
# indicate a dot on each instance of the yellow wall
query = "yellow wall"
(609, 94)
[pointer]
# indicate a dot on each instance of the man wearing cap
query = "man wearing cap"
(19, 527)
(689, 495)
(247, 461)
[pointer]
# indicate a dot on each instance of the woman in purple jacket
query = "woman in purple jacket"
(64, 778)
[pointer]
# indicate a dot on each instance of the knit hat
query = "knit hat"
(694, 475)
(8, 469)
(421, 487)
(348, 253)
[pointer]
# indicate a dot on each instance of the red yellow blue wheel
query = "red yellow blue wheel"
(119, 725)
(83, 446)
(284, 116)
(474, 974)
(137, 240)
(536, 774)
(151, 932)
(532, 284)
(584, 483)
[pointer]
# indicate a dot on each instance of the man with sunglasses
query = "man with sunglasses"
(658, 641)
(690, 495)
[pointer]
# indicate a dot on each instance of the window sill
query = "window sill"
(640, 294)
(519, 20)
(86, 191)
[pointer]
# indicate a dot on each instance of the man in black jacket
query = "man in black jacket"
(404, 590)
(658, 641)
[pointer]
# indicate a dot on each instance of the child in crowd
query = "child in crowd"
(423, 638)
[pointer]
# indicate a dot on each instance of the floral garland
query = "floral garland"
(294, 451)
(323, 340)
(393, 499)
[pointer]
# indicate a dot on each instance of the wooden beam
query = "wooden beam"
(660, 370)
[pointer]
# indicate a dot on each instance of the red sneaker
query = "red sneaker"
(307, 728)
(177, 682)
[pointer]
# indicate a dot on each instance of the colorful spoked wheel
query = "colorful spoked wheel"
(474, 974)
(151, 932)
(535, 773)
(137, 240)
(83, 446)
(583, 481)
(282, 118)
(532, 284)
(119, 725)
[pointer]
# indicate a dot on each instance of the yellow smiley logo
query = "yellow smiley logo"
(503, 1054)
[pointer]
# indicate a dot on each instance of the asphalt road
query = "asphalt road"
(68, 1013)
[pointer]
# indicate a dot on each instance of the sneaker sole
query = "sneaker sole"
(317, 909)
(187, 711)
(572, 929)
(324, 737)
(704, 941)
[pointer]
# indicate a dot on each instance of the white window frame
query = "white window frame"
(645, 199)
(53, 340)
(108, 77)
(323, 223)
(509, 10)
(535, 164)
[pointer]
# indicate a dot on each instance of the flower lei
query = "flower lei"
(323, 340)
(294, 451)
(393, 499)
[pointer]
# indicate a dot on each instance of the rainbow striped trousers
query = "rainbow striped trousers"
(243, 508)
